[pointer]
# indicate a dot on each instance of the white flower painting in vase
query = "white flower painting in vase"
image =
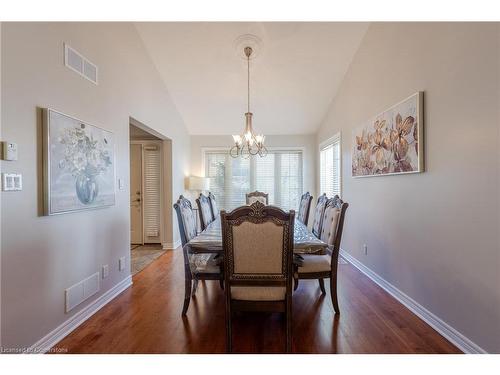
(78, 165)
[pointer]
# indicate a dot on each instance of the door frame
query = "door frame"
(159, 144)
(167, 215)
(142, 190)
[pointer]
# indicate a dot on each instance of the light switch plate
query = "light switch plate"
(12, 182)
(121, 264)
(105, 271)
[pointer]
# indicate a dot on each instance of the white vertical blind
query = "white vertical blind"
(151, 195)
(279, 174)
(289, 169)
(264, 175)
(330, 167)
(215, 168)
(239, 181)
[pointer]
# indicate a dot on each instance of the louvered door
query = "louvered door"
(151, 193)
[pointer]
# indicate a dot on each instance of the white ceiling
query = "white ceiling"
(293, 80)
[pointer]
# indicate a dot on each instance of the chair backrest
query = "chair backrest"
(258, 246)
(213, 205)
(333, 222)
(186, 219)
(304, 207)
(204, 210)
(257, 196)
(318, 215)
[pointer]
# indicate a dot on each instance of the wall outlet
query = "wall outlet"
(365, 249)
(121, 263)
(105, 271)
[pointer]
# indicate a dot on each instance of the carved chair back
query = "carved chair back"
(258, 246)
(333, 222)
(318, 215)
(213, 205)
(304, 207)
(204, 210)
(257, 196)
(185, 219)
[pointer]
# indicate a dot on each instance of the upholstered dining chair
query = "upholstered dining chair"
(213, 205)
(196, 266)
(318, 215)
(258, 252)
(310, 266)
(205, 210)
(304, 207)
(259, 196)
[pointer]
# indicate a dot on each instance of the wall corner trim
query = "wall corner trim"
(170, 245)
(443, 328)
(52, 338)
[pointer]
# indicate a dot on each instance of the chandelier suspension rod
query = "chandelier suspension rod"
(248, 78)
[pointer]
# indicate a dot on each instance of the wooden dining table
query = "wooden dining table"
(210, 240)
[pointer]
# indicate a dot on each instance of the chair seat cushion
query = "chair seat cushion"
(256, 293)
(315, 263)
(204, 263)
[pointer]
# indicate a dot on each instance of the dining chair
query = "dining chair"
(304, 207)
(259, 196)
(318, 215)
(196, 266)
(204, 210)
(311, 266)
(258, 252)
(213, 205)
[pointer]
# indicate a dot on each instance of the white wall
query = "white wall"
(434, 235)
(498, 158)
(305, 141)
(0, 199)
(41, 256)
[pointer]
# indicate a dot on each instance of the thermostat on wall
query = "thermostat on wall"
(9, 151)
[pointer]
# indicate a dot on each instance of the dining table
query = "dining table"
(210, 240)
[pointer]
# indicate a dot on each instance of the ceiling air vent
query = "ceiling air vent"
(79, 64)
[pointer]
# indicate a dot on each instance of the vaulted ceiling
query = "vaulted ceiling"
(294, 78)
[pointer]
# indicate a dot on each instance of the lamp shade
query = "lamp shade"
(198, 183)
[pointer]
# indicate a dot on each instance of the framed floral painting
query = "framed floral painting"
(392, 142)
(79, 165)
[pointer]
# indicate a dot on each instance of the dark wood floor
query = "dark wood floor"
(146, 318)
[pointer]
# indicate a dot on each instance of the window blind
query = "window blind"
(330, 167)
(279, 174)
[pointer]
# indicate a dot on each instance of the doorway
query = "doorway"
(136, 227)
(147, 196)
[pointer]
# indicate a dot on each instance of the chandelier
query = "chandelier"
(248, 143)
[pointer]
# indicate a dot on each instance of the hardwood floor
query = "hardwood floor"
(146, 318)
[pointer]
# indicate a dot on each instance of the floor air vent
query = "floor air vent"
(79, 64)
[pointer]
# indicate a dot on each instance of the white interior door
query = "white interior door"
(136, 226)
(151, 197)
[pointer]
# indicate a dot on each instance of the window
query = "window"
(329, 156)
(279, 174)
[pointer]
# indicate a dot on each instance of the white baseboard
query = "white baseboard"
(48, 341)
(170, 245)
(451, 334)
